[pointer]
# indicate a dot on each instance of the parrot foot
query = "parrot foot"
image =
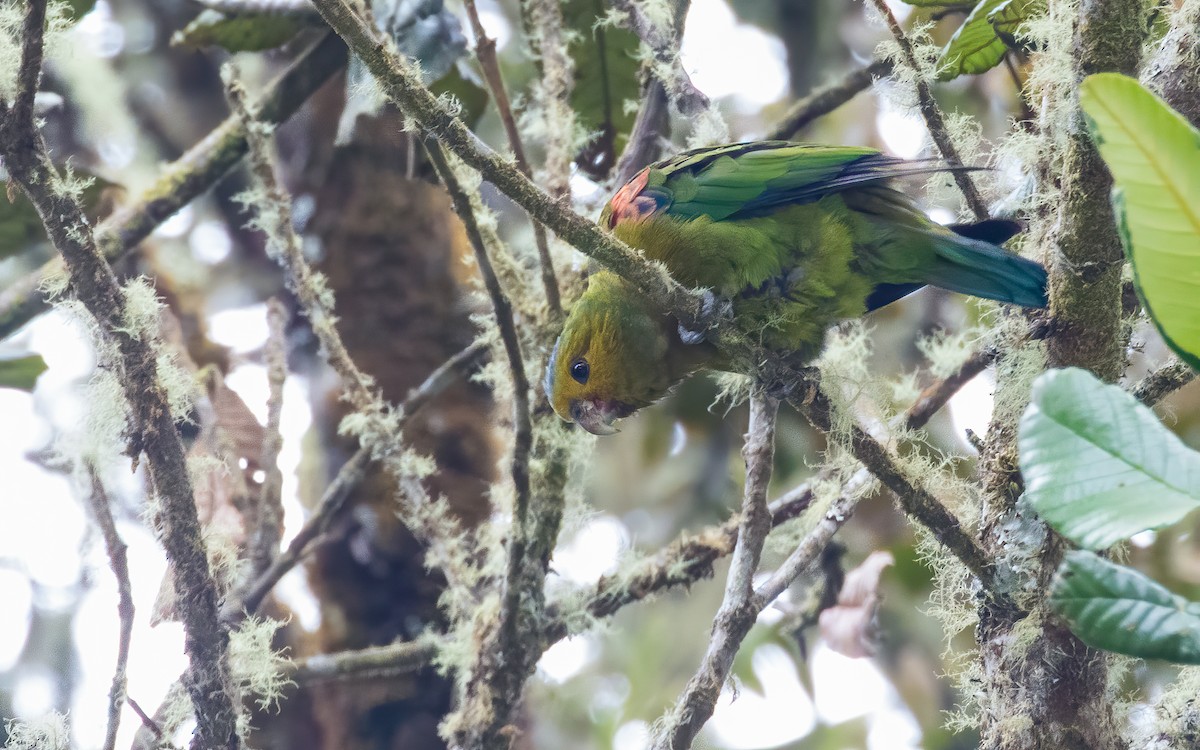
(712, 310)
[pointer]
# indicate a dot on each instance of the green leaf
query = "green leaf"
(975, 47)
(1154, 156)
(1099, 466)
(1118, 609)
(1007, 18)
(606, 74)
(251, 32)
(21, 373)
(933, 3)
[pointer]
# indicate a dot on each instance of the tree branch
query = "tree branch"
(918, 503)
(152, 424)
(119, 562)
(485, 53)
(737, 613)
(827, 98)
(933, 116)
(663, 41)
(268, 520)
(1163, 382)
(376, 424)
(186, 178)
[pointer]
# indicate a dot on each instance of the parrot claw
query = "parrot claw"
(712, 310)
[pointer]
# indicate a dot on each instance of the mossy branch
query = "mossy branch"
(375, 422)
(152, 427)
(186, 178)
(402, 84)
(485, 53)
(662, 39)
(118, 560)
(506, 657)
(933, 116)
(738, 609)
(827, 98)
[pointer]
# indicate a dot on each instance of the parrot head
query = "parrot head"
(611, 358)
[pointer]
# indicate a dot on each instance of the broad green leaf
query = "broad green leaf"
(1118, 609)
(1007, 18)
(21, 373)
(933, 3)
(975, 47)
(251, 32)
(1099, 466)
(606, 74)
(1154, 156)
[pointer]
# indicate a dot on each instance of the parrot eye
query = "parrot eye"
(580, 370)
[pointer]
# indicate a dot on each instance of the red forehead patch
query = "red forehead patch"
(629, 204)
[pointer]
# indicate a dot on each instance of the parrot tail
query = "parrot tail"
(968, 262)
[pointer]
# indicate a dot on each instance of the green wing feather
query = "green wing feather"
(745, 180)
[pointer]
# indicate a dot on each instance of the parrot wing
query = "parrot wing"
(745, 180)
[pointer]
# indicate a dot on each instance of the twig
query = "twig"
(933, 116)
(828, 98)
(485, 52)
(332, 502)
(186, 178)
(502, 308)
(646, 137)
(690, 558)
(918, 503)
(543, 20)
(376, 423)
(376, 662)
(150, 724)
(522, 599)
(737, 612)
(338, 491)
(813, 544)
(1163, 382)
(119, 562)
(152, 426)
(663, 42)
(268, 528)
(935, 396)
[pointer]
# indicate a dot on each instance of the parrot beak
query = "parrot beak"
(597, 416)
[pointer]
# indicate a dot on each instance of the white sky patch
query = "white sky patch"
(293, 591)
(593, 551)
(178, 223)
(567, 658)
(210, 242)
(632, 735)
(971, 407)
(35, 693)
(17, 595)
(903, 132)
(846, 688)
(726, 57)
(495, 23)
(1143, 539)
(781, 714)
(242, 329)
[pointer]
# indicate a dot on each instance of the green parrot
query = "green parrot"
(796, 236)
